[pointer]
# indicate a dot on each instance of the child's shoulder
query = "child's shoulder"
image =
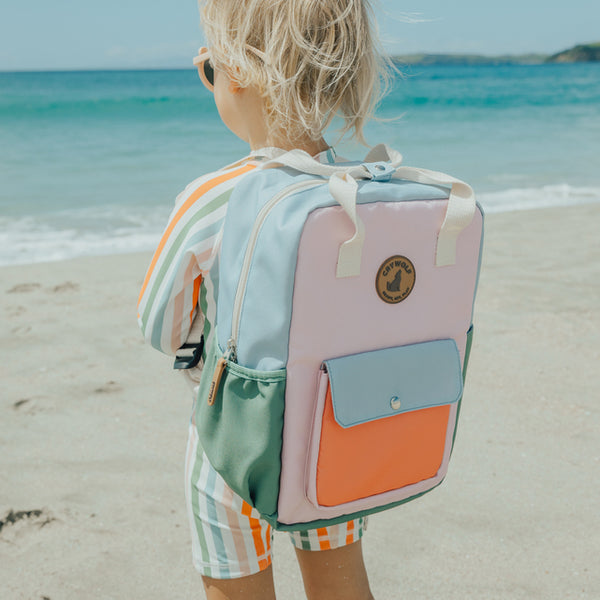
(211, 185)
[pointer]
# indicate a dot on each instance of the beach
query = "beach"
(94, 424)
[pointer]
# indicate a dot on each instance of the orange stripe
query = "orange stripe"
(246, 509)
(349, 532)
(264, 563)
(197, 283)
(324, 544)
(235, 525)
(209, 185)
(258, 541)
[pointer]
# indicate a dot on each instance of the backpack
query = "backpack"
(332, 385)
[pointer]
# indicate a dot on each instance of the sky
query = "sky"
(81, 34)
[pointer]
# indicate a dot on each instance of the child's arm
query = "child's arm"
(168, 301)
(169, 298)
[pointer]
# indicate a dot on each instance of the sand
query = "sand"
(93, 427)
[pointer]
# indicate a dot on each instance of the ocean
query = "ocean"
(90, 162)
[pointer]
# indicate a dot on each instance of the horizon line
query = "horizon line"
(393, 57)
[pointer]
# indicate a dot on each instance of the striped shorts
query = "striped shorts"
(229, 539)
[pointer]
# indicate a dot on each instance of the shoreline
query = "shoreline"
(93, 428)
(498, 198)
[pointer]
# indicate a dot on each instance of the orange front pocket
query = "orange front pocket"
(380, 455)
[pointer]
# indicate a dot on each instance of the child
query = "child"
(280, 70)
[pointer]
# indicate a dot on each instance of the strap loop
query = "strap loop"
(343, 188)
(459, 212)
(379, 171)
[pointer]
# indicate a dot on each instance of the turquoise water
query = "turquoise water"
(90, 162)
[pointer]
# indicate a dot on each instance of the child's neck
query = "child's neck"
(313, 147)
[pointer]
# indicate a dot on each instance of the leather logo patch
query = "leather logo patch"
(395, 279)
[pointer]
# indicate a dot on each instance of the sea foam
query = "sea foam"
(534, 198)
(92, 232)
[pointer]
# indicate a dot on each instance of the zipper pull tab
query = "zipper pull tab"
(230, 351)
(229, 354)
(216, 380)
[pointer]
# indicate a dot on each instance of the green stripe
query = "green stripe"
(196, 505)
(178, 242)
(216, 526)
(305, 541)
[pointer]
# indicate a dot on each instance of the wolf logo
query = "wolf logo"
(395, 279)
(394, 286)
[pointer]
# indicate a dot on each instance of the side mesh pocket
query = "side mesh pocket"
(241, 433)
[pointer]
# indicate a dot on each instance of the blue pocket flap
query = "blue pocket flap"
(382, 383)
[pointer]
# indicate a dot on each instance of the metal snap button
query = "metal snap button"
(395, 403)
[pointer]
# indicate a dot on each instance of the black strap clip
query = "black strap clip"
(187, 360)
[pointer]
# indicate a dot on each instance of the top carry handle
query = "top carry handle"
(382, 164)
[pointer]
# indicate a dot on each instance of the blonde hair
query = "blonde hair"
(314, 59)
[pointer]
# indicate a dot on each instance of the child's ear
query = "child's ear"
(234, 86)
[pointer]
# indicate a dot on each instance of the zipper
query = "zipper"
(230, 353)
(258, 223)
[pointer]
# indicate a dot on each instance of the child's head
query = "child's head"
(319, 58)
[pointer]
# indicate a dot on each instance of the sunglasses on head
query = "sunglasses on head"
(206, 70)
